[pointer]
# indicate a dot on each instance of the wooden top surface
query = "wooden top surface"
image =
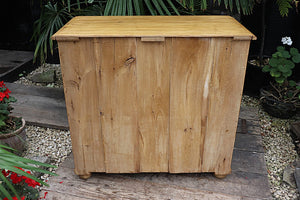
(153, 26)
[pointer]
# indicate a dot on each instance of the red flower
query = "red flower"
(2, 84)
(2, 95)
(15, 198)
(15, 178)
(6, 92)
(5, 173)
(31, 183)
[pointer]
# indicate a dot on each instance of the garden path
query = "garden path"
(248, 181)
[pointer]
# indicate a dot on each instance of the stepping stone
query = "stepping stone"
(295, 128)
(12, 60)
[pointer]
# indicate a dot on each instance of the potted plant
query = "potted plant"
(12, 129)
(282, 97)
(16, 181)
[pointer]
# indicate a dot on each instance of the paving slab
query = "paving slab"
(11, 60)
(40, 106)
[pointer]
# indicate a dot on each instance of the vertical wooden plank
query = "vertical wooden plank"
(69, 67)
(225, 94)
(89, 117)
(118, 102)
(79, 73)
(189, 72)
(153, 104)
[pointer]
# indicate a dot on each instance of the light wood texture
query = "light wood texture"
(190, 74)
(118, 102)
(224, 103)
(153, 103)
(153, 61)
(81, 91)
(153, 26)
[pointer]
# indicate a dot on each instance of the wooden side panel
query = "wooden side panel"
(153, 104)
(118, 103)
(225, 94)
(190, 74)
(79, 73)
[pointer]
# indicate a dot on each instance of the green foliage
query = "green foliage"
(52, 18)
(56, 13)
(140, 7)
(10, 161)
(284, 6)
(281, 67)
(281, 64)
(242, 6)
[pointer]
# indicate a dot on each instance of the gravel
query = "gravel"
(45, 142)
(278, 144)
(279, 150)
(26, 80)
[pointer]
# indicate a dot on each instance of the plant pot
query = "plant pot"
(275, 107)
(15, 139)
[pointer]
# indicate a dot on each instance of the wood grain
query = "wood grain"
(69, 68)
(153, 104)
(189, 74)
(224, 103)
(118, 102)
(153, 94)
(82, 104)
(153, 26)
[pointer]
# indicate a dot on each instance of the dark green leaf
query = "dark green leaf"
(292, 83)
(266, 68)
(157, 6)
(285, 54)
(296, 58)
(280, 48)
(294, 51)
(275, 73)
(282, 68)
(289, 64)
(150, 7)
(287, 74)
(279, 80)
(273, 62)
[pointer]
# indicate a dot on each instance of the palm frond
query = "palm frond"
(284, 6)
(10, 161)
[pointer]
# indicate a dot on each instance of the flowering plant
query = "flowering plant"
(24, 185)
(15, 181)
(281, 67)
(6, 122)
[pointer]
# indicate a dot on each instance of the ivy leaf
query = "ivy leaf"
(279, 80)
(298, 87)
(275, 73)
(285, 54)
(287, 74)
(273, 62)
(266, 68)
(282, 68)
(294, 51)
(289, 64)
(292, 83)
(277, 55)
(280, 48)
(296, 58)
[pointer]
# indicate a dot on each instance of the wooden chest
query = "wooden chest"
(153, 93)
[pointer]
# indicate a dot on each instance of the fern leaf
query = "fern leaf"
(284, 6)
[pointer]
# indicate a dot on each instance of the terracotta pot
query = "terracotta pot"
(15, 139)
(277, 108)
